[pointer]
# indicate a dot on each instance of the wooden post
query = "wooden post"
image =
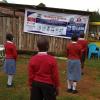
(20, 32)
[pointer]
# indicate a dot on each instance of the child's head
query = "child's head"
(43, 44)
(74, 37)
(9, 37)
(82, 35)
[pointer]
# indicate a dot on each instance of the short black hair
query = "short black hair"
(74, 37)
(82, 35)
(43, 44)
(9, 37)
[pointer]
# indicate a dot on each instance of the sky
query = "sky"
(91, 5)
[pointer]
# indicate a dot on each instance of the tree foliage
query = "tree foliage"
(95, 17)
(41, 5)
(4, 1)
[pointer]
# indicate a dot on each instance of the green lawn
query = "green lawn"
(89, 86)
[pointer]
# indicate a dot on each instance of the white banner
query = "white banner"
(54, 24)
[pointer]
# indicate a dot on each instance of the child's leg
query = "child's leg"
(82, 63)
(82, 66)
(49, 92)
(69, 84)
(74, 85)
(36, 93)
(10, 79)
(74, 90)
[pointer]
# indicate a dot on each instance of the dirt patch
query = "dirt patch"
(84, 86)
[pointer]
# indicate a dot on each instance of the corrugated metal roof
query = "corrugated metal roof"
(21, 7)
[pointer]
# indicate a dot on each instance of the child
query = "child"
(84, 44)
(43, 73)
(10, 59)
(74, 64)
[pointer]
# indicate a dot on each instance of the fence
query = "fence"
(27, 41)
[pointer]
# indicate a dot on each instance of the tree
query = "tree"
(5, 1)
(41, 5)
(95, 17)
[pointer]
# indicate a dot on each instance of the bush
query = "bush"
(27, 52)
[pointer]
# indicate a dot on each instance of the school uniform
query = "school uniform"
(43, 77)
(10, 58)
(74, 64)
(84, 44)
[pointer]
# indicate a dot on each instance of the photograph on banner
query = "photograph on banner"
(54, 24)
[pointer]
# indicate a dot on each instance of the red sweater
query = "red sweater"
(74, 51)
(10, 50)
(84, 44)
(43, 68)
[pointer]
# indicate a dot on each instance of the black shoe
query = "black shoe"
(82, 73)
(74, 91)
(69, 90)
(9, 86)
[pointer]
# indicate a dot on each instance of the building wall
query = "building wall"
(12, 20)
(95, 27)
(27, 41)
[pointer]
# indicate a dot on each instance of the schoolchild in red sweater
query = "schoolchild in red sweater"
(10, 59)
(43, 73)
(84, 43)
(73, 64)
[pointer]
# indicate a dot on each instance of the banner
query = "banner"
(54, 24)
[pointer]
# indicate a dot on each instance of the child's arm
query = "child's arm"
(14, 52)
(55, 76)
(30, 73)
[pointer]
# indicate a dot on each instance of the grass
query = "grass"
(96, 92)
(71, 98)
(95, 63)
(89, 86)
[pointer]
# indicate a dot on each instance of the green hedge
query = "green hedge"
(27, 52)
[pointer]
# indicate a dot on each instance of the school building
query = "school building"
(12, 20)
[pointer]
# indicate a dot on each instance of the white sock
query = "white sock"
(69, 83)
(74, 85)
(10, 78)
